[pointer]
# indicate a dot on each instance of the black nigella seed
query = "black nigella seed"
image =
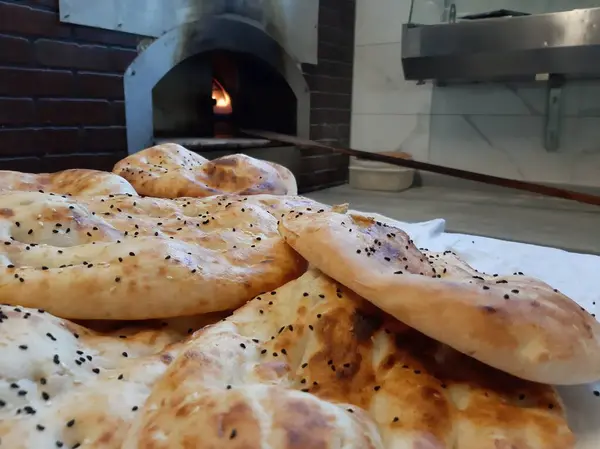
(376, 387)
(71, 423)
(233, 434)
(134, 408)
(96, 370)
(56, 359)
(596, 393)
(45, 396)
(124, 354)
(396, 419)
(242, 345)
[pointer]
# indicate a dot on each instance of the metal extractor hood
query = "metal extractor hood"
(563, 43)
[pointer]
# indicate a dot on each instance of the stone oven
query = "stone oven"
(85, 85)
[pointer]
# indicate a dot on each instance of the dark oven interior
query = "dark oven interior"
(214, 95)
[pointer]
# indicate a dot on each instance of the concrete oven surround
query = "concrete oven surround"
(66, 68)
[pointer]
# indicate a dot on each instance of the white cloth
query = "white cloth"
(576, 275)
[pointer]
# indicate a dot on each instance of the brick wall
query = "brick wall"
(330, 82)
(61, 90)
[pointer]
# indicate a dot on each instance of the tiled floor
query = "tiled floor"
(503, 214)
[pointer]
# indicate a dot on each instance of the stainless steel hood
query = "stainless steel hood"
(562, 43)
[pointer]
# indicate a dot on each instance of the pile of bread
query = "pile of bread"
(186, 303)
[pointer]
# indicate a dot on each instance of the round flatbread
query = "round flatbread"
(313, 365)
(129, 258)
(514, 323)
(75, 182)
(171, 171)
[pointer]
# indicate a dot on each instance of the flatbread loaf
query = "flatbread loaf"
(64, 386)
(138, 258)
(514, 323)
(312, 365)
(76, 182)
(171, 171)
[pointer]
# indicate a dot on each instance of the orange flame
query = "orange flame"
(222, 99)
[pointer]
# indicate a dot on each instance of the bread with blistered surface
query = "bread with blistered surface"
(62, 385)
(311, 364)
(75, 182)
(129, 258)
(171, 171)
(514, 323)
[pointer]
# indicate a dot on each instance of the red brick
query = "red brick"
(108, 37)
(324, 178)
(22, 19)
(15, 50)
(16, 111)
(23, 164)
(120, 59)
(58, 140)
(315, 163)
(329, 116)
(14, 142)
(104, 140)
(119, 112)
(74, 112)
(35, 82)
(99, 85)
(93, 161)
(51, 53)
(32, 141)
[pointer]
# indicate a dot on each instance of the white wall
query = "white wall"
(494, 129)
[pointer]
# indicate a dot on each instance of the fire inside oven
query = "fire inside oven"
(204, 102)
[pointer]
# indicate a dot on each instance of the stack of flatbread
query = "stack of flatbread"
(249, 319)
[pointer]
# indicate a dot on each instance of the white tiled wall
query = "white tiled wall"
(494, 129)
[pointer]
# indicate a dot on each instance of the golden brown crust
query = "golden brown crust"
(63, 385)
(75, 182)
(365, 380)
(114, 258)
(171, 171)
(514, 323)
